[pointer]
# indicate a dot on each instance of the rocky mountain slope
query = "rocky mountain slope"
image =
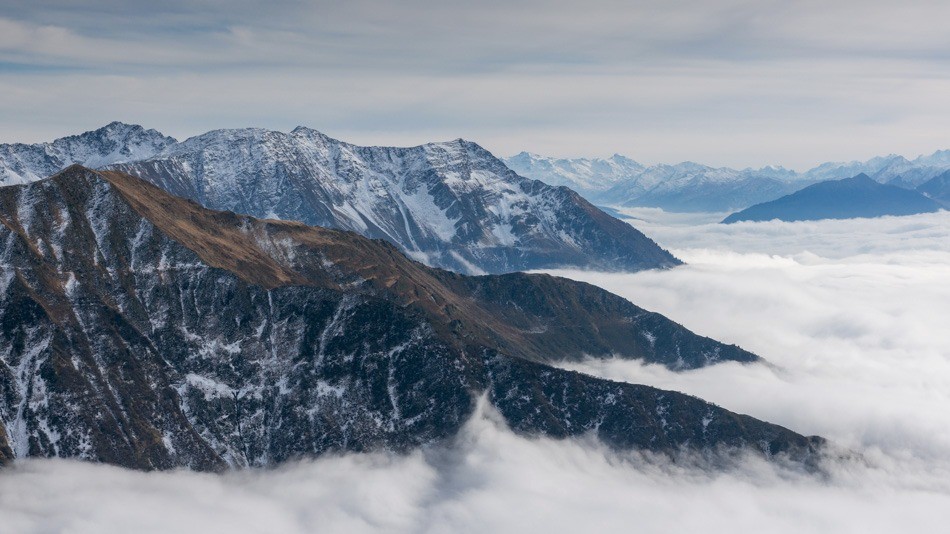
(114, 143)
(140, 329)
(451, 205)
(859, 196)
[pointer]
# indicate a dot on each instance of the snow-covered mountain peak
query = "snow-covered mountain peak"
(692, 166)
(449, 204)
(113, 143)
(309, 135)
(940, 157)
(116, 142)
(624, 160)
(224, 135)
(585, 175)
(889, 160)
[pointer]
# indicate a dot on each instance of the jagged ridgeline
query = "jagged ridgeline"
(451, 205)
(140, 329)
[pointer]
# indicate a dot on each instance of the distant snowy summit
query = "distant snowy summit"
(587, 176)
(688, 186)
(451, 205)
(114, 143)
(856, 197)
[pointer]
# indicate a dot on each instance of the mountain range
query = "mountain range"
(451, 205)
(144, 330)
(688, 187)
(849, 198)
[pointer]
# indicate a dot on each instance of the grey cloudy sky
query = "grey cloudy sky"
(733, 82)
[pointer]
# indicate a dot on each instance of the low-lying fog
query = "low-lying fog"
(853, 315)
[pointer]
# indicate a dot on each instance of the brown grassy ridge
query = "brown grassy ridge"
(538, 317)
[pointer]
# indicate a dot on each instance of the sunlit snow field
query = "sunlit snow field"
(854, 317)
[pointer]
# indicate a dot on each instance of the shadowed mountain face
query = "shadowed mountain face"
(937, 188)
(6, 453)
(859, 196)
(140, 329)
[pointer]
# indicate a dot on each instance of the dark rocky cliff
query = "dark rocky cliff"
(142, 330)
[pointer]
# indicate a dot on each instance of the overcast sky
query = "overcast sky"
(735, 83)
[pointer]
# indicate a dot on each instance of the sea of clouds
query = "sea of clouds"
(853, 317)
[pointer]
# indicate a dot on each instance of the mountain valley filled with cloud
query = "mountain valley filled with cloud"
(849, 315)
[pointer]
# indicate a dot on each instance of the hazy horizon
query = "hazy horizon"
(738, 84)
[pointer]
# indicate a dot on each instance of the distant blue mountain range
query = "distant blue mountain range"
(692, 187)
(859, 196)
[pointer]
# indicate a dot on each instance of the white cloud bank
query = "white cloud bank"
(853, 314)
